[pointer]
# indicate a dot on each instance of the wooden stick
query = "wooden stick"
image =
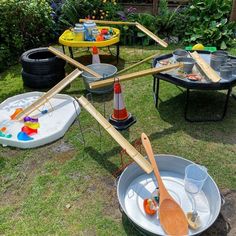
(132, 152)
(138, 63)
(53, 91)
(206, 68)
(74, 62)
(139, 26)
(150, 34)
(110, 22)
(134, 75)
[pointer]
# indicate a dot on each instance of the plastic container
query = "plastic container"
(210, 49)
(179, 53)
(188, 64)
(226, 71)
(105, 70)
(95, 33)
(220, 54)
(233, 63)
(79, 31)
(89, 25)
(217, 62)
(195, 177)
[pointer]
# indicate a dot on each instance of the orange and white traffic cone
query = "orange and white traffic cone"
(120, 119)
(95, 55)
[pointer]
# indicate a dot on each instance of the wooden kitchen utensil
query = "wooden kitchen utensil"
(172, 217)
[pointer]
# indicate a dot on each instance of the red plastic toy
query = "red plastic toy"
(146, 205)
(29, 131)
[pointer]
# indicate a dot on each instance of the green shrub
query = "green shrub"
(208, 23)
(23, 25)
(168, 21)
(73, 10)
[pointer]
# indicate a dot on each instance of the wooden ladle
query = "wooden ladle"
(172, 217)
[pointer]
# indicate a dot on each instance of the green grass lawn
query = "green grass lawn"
(65, 188)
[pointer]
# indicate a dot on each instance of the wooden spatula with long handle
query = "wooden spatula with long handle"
(172, 217)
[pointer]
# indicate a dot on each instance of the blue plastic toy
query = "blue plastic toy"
(22, 136)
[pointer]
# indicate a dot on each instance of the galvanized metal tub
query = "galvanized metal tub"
(105, 70)
(134, 186)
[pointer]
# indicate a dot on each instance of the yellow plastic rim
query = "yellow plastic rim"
(68, 39)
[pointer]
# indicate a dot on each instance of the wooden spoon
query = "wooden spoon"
(172, 217)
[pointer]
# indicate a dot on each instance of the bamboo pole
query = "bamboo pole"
(132, 152)
(206, 68)
(53, 91)
(134, 75)
(150, 34)
(137, 64)
(139, 26)
(74, 62)
(110, 22)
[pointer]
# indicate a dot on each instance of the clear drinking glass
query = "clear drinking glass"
(195, 177)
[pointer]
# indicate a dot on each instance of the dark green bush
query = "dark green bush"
(208, 23)
(73, 10)
(171, 22)
(23, 25)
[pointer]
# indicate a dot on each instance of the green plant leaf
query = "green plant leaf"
(141, 34)
(223, 45)
(213, 24)
(223, 21)
(126, 27)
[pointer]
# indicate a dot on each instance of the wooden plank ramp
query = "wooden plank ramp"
(138, 25)
(151, 35)
(131, 151)
(110, 22)
(134, 75)
(205, 67)
(53, 91)
(138, 63)
(74, 62)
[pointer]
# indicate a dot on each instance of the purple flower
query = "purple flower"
(123, 18)
(53, 5)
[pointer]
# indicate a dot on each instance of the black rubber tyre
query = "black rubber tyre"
(40, 61)
(42, 81)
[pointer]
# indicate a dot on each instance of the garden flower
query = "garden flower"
(53, 5)
(101, 17)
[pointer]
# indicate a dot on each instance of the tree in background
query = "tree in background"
(233, 11)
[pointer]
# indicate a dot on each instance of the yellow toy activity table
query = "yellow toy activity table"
(68, 39)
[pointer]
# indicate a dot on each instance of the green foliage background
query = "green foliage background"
(23, 25)
(208, 23)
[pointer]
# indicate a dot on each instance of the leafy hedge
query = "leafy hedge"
(24, 24)
(208, 23)
(68, 12)
(202, 21)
